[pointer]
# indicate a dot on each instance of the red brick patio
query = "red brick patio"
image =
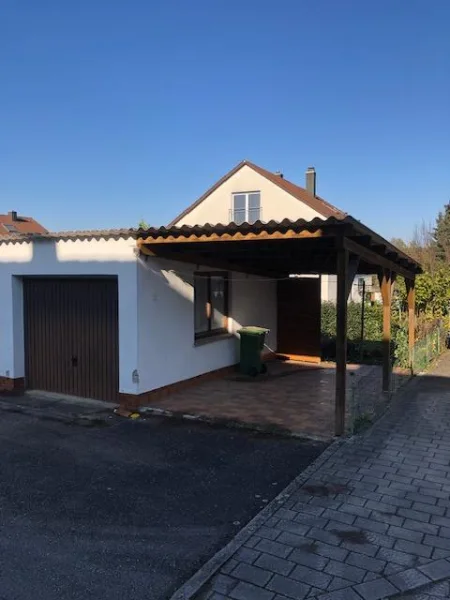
(297, 397)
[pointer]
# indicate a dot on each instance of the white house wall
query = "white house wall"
(69, 258)
(156, 311)
(328, 288)
(276, 203)
(167, 352)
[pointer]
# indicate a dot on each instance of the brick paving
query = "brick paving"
(296, 397)
(373, 521)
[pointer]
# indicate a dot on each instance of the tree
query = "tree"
(442, 235)
(400, 244)
(143, 224)
(422, 247)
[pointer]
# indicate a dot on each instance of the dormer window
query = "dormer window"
(246, 207)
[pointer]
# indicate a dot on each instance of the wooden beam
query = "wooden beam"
(378, 248)
(341, 339)
(278, 263)
(392, 256)
(411, 291)
(215, 263)
(377, 260)
(364, 240)
(386, 293)
(232, 237)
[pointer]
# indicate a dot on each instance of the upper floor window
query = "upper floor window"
(246, 207)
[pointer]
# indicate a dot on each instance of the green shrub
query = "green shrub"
(373, 321)
(371, 348)
(401, 347)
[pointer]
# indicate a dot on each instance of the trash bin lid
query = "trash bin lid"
(252, 330)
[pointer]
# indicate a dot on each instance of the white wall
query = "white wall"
(156, 311)
(69, 258)
(328, 288)
(167, 352)
(276, 203)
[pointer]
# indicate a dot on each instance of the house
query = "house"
(126, 315)
(249, 193)
(84, 313)
(14, 223)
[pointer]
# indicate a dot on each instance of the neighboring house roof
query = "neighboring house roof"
(318, 204)
(12, 223)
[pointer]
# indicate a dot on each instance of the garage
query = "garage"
(71, 336)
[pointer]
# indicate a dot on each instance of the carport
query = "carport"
(278, 250)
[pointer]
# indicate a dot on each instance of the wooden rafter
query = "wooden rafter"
(233, 237)
(376, 259)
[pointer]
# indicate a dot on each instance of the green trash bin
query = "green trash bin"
(252, 344)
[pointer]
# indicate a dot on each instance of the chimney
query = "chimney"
(279, 173)
(13, 215)
(311, 180)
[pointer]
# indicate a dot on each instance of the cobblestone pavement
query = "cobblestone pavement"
(372, 522)
(296, 397)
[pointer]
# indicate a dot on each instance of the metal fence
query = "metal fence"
(367, 401)
(428, 348)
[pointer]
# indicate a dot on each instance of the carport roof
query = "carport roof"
(278, 248)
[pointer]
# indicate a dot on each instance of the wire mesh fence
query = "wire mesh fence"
(428, 348)
(367, 401)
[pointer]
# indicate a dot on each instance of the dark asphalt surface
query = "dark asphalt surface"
(129, 510)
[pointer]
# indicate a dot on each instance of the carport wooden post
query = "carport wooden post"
(386, 282)
(411, 290)
(341, 339)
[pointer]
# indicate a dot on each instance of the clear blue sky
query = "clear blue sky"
(113, 110)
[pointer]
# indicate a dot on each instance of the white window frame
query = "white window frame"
(247, 208)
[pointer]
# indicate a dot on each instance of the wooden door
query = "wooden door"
(299, 319)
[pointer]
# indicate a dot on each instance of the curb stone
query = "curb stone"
(189, 589)
(418, 587)
(161, 412)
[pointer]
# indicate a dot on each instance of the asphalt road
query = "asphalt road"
(129, 510)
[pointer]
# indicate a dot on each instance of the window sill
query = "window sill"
(209, 339)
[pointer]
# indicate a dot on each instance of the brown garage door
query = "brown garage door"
(71, 336)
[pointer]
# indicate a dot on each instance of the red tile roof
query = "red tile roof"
(324, 208)
(12, 223)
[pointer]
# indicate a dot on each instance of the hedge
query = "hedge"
(373, 321)
(371, 349)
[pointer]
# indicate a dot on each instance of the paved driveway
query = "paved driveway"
(129, 510)
(372, 522)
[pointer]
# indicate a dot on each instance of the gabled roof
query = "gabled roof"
(12, 223)
(318, 204)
